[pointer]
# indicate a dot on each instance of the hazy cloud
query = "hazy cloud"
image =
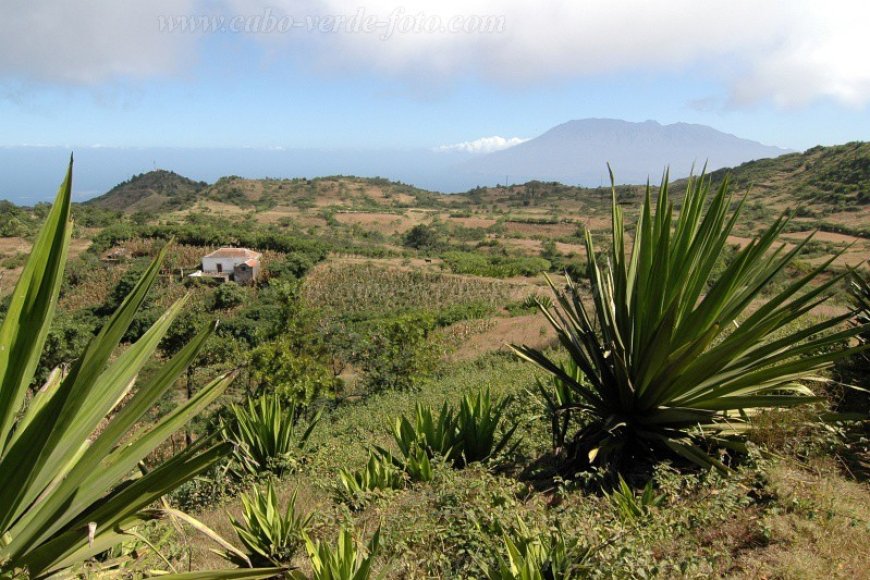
(86, 43)
(482, 145)
(790, 53)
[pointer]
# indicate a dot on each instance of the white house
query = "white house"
(240, 265)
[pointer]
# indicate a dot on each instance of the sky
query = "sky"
(470, 75)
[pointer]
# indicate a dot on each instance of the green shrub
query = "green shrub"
(229, 295)
(494, 266)
(266, 435)
(423, 237)
(671, 360)
(270, 535)
(282, 367)
(397, 353)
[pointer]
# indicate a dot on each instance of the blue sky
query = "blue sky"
(102, 73)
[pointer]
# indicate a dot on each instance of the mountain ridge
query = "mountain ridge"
(577, 152)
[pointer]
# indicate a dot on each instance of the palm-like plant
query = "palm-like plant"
(475, 433)
(69, 490)
(266, 434)
(271, 536)
(380, 473)
(860, 290)
(558, 398)
(669, 353)
(630, 507)
(533, 556)
(345, 561)
(479, 422)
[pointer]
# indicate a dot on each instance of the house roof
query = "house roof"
(251, 262)
(234, 253)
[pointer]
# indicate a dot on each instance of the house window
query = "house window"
(220, 268)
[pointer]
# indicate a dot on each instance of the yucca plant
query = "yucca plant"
(631, 507)
(270, 535)
(69, 484)
(480, 428)
(345, 561)
(266, 434)
(860, 291)
(558, 399)
(672, 356)
(435, 436)
(415, 463)
(533, 556)
(461, 437)
(380, 473)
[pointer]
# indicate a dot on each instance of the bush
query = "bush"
(397, 353)
(494, 266)
(423, 237)
(298, 377)
(229, 295)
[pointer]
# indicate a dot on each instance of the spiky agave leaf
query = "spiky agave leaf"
(67, 491)
(667, 348)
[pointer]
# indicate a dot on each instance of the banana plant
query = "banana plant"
(69, 484)
(675, 355)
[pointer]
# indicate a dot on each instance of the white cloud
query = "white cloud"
(482, 145)
(790, 53)
(86, 43)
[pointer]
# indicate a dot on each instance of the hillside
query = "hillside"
(831, 178)
(152, 192)
(577, 152)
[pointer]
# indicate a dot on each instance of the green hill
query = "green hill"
(830, 179)
(153, 192)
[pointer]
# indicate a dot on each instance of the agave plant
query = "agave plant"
(631, 507)
(380, 473)
(345, 561)
(436, 436)
(69, 488)
(479, 422)
(558, 399)
(669, 354)
(860, 290)
(540, 557)
(266, 434)
(271, 536)
(463, 437)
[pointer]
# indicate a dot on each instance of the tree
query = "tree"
(423, 237)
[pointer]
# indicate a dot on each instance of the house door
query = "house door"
(220, 268)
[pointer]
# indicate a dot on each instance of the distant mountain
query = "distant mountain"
(153, 192)
(577, 153)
